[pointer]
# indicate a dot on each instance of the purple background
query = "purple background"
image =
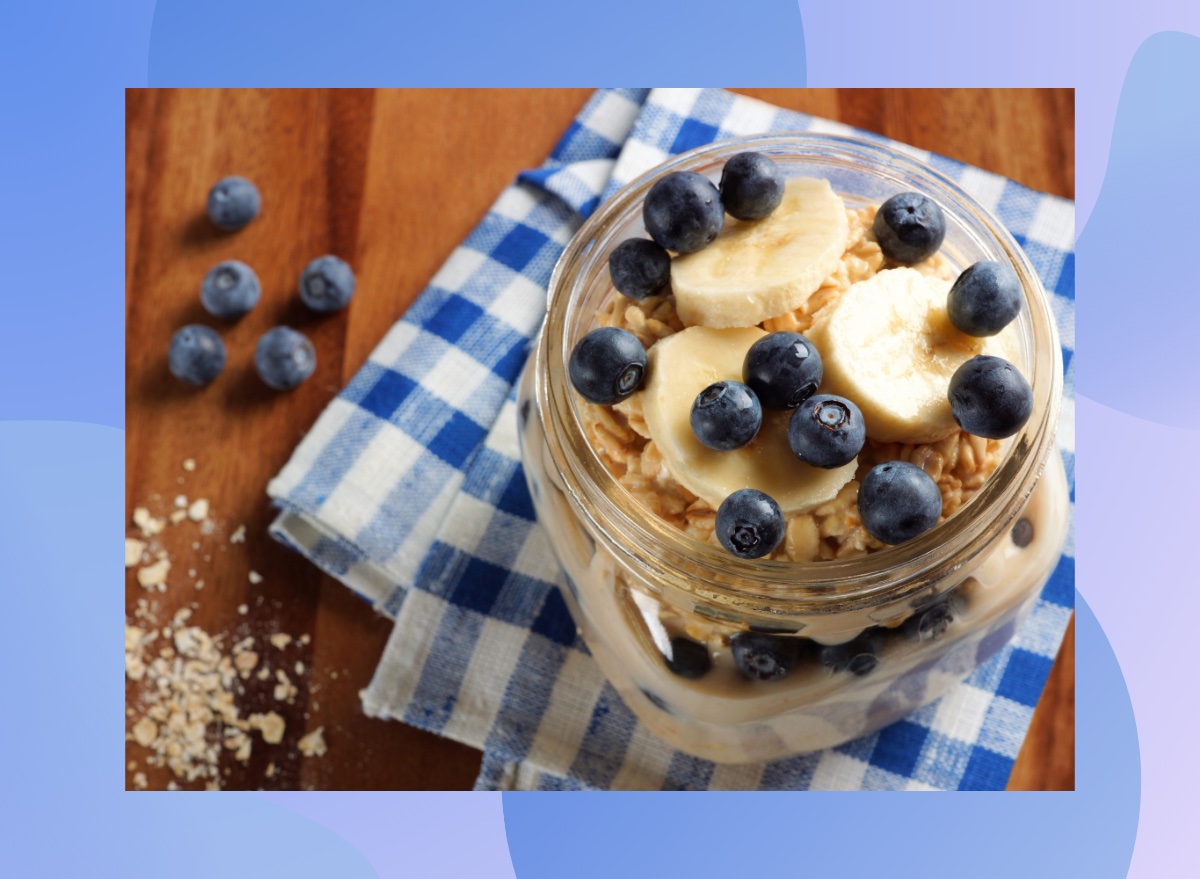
(61, 411)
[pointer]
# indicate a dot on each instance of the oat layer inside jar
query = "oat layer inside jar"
(959, 463)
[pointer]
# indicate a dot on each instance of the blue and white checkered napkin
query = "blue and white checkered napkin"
(409, 489)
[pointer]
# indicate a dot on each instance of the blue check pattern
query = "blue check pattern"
(409, 489)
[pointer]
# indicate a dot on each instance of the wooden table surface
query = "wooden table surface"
(392, 181)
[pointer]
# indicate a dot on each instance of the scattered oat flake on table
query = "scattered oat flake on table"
(271, 725)
(313, 744)
(285, 690)
(133, 551)
(188, 701)
(245, 662)
(155, 574)
(148, 525)
(243, 610)
(189, 464)
(181, 501)
(280, 640)
(240, 743)
(239, 535)
(177, 516)
(256, 577)
(145, 731)
(139, 780)
(198, 511)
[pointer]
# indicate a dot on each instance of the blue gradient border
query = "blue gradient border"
(61, 411)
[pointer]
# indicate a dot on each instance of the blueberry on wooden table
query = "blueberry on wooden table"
(196, 354)
(233, 202)
(327, 284)
(284, 358)
(230, 290)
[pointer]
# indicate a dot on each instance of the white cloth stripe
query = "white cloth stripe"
(646, 762)
(487, 677)
(736, 776)
(392, 687)
(566, 719)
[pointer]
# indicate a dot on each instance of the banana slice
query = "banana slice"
(680, 367)
(764, 268)
(888, 344)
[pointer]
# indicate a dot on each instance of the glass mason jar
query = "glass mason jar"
(930, 610)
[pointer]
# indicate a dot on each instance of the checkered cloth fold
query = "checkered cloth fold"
(409, 489)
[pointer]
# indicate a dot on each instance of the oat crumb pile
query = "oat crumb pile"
(196, 698)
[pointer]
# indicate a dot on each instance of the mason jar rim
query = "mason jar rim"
(667, 557)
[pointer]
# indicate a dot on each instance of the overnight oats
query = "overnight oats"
(789, 427)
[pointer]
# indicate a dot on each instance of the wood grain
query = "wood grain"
(392, 181)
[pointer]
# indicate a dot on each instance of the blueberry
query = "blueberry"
(726, 415)
(897, 501)
(859, 656)
(989, 398)
(931, 622)
(197, 354)
(984, 299)
(990, 644)
(827, 431)
(230, 289)
(233, 202)
(910, 227)
(784, 369)
(1022, 533)
(284, 358)
(683, 212)
(751, 186)
(689, 659)
(327, 284)
(749, 523)
(639, 268)
(765, 657)
(607, 365)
